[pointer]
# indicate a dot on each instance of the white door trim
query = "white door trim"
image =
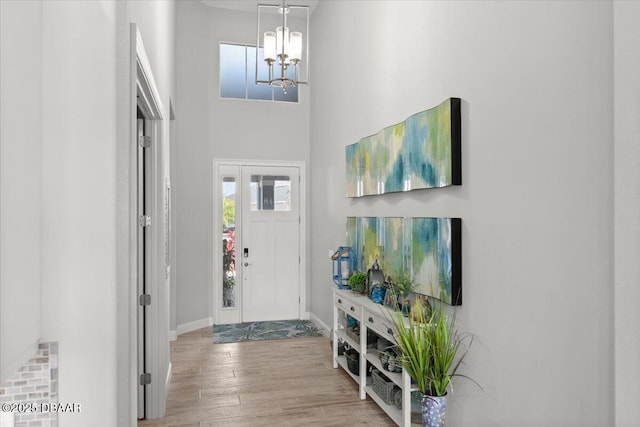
(144, 94)
(216, 282)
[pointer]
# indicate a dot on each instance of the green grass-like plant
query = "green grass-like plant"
(431, 348)
(415, 346)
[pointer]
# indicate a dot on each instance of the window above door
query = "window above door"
(238, 75)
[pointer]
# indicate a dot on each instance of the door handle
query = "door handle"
(247, 264)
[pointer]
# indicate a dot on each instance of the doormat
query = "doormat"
(258, 331)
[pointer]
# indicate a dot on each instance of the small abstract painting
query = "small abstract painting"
(425, 249)
(421, 152)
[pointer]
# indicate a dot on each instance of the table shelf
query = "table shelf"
(377, 319)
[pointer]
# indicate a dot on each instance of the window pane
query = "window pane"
(237, 75)
(261, 91)
(292, 91)
(270, 193)
(290, 96)
(232, 71)
(228, 242)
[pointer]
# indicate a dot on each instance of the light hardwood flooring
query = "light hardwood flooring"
(287, 383)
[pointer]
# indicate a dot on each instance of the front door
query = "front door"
(270, 253)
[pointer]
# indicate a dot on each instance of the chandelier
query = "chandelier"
(282, 43)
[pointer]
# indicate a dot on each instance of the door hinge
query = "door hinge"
(144, 221)
(145, 299)
(144, 141)
(145, 379)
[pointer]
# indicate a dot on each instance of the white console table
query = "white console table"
(377, 318)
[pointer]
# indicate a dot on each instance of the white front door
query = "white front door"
(270, 252)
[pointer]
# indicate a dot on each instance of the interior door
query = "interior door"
(143, 208)
(270, 253)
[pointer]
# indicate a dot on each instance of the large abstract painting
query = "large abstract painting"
(421, 152)
(426, 249)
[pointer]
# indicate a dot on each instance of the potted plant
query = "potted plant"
(358, 282)
(400, 288)
(431, 350)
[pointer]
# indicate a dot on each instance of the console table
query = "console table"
(376, 318)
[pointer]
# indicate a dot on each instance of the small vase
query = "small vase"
(390, 300)
(406, 308)
(433, 410)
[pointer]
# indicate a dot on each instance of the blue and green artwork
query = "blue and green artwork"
(421, 152)
(426, 249)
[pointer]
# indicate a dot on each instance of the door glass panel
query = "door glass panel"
(228, 242)
(270, 193)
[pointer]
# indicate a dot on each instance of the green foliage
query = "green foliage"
(415, 348)
(228, 211)
(431, 349)
(402, 284)
(357, 282)
(445, 343)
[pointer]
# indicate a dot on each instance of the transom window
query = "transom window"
(238, 75)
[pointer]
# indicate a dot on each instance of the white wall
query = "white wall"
(65, 193)
(79, 101)
(192, 174)
(627, 206)
(536, 202)
(20, 183)
(208, 127)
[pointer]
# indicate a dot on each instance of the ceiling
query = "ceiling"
(252, 5)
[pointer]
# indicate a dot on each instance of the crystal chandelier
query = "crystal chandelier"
(283, 47)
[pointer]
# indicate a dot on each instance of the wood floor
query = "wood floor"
(287, 383)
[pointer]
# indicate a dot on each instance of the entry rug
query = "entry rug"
(257, 331)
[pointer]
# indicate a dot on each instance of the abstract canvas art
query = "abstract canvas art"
(421, 152)
(426, 249)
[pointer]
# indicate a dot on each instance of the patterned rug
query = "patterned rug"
(256, 331)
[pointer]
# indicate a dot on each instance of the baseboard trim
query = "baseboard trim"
(195, 325)
(324, 328)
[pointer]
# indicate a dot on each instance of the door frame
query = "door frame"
(144, 178)
(216, 256)
(145, 95)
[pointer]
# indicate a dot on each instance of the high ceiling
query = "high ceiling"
(252, 5)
